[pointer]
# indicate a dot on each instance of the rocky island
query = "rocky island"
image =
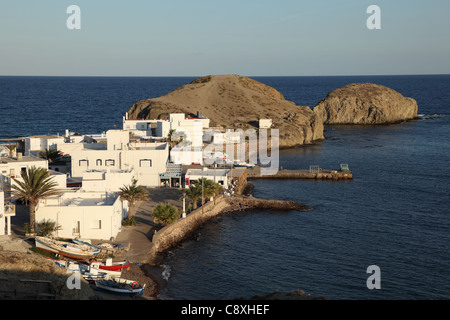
(236, 102)
(365, 103)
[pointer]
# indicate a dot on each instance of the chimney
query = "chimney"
(19, 156)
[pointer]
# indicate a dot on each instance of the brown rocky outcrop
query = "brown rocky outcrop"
(236, 102)
(365, 103)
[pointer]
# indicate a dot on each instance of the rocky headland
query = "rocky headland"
(365, 103)
(236, 102)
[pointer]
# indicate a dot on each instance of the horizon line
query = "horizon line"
(199, 76)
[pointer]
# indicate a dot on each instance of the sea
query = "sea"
(393, 217)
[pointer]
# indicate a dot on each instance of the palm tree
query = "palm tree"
(194, 192)
(36, 184)
(11, 148)
(210, 188)
(132, 193)
(51, 154)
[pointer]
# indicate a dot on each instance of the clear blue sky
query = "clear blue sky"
(246, 37)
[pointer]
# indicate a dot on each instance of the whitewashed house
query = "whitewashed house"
(160, 128)
(36, 144)
(12, 167)
(220, 176)
(109, 180)
(90, 215)
(146, 160)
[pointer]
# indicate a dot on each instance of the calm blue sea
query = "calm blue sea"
(393, 214)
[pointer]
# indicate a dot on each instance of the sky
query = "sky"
(245, 37)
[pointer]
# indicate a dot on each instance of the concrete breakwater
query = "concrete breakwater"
(320, 174)
(171, 235)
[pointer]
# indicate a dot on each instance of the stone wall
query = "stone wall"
(178, 231)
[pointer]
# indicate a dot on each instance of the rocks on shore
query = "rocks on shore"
(365, 103)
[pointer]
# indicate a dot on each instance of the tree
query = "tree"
(11, 148)
(36, 184)
(166, 214)
(132, 193)
(51, 154)
(46, 227)
(208, 188)
(194, 193)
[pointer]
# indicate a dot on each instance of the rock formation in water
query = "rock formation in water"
(236, 102)
(365, 103)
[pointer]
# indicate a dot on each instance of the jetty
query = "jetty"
(314, 172)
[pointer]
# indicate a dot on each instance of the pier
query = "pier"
(314, 172)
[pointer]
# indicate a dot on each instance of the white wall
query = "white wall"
(221, 176)
(147, 162)
(107, 181)
(39, 143)
(96, 221)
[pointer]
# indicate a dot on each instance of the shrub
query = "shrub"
(166, 214)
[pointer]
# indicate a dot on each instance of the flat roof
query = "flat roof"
(24, 159)
(86, 199)
(207, 173)
(45, 136)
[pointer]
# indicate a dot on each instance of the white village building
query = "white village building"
(89, 215)
(220, 176)
(190, 151)
(145, 161)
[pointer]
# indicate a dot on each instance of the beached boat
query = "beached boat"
(84, 270)
(66, 249)
(120, 286)
(112, 266)
(84, 243)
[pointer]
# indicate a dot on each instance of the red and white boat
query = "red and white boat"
(111, 266)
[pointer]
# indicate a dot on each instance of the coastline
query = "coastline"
(148, 245)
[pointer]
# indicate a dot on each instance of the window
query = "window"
(109, 163)
(145, 163)
(75, 227)
(99, 162)
(84, 163)
(96, 224)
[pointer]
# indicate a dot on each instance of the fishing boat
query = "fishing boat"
(89, 274)
(84, 243)
(66, 249)
(112, 266)
(120, 286)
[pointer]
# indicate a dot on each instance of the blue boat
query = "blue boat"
(120, 286)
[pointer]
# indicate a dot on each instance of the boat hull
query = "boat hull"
(121, 288)
(55, 247)
(119, 266)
